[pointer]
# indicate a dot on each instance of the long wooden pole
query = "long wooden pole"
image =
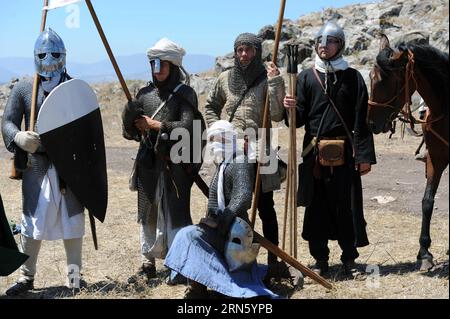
(291, 189)
(16, 175)
(265, 119)
(36, 76)
(293, 159)
(291, 260)
(121, 80)
(108, 50)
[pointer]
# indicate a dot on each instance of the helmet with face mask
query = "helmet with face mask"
(49, 54)
(240, 250)
(331, 29)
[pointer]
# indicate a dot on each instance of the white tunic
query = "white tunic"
(51, 219)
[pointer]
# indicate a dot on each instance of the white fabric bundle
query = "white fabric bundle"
(331, 66)
(225, 151)
(167, 50)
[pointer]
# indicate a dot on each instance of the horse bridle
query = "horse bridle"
(407, 116)
(406, 110)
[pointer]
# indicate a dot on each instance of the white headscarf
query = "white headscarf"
(167, 50)
(223, 150)
(331, 66)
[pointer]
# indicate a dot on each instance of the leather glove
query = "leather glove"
(131, 112)
(28, 141)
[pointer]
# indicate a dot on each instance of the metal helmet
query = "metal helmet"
(331, 29)
(240, 251)
(49, 54)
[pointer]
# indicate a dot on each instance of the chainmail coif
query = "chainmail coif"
(241, 78)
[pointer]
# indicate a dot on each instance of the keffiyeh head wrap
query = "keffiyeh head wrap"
(167, 50)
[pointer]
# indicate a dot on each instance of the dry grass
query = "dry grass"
(393, 234)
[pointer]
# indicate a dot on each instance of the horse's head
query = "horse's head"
(388, 86)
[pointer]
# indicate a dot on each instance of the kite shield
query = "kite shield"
(70, 127)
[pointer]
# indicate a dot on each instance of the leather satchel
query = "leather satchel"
(331, 152)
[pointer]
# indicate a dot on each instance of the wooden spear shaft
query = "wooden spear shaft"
(290, 260)
(108, 50)
(286, 203)
(265, 119)
(274, 249)
(293, 198)
(34, 93)
(122, 83)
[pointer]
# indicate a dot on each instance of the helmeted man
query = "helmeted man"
(164, 187)
(219, 253)
(332, 195)
(50, 209)
(241, 92)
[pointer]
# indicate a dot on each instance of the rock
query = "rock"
(202, 85)
(224, 63)
(12, 83)
(419, 8)
(268, 47)
(383, 199)
(393, 12)
(387, 17)
(305, 50)
(331, 15)
(361, 43)
(291, 31)
(267, 33)
(413, 37)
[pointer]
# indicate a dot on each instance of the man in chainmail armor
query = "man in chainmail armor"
(50, 209)
(219, 252)
(163, 187)
(241, 92)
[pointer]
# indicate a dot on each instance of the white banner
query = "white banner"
(59, 3)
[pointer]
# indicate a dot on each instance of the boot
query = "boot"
(146, 272)
(351, 269)
(20, 287)
(321, 267)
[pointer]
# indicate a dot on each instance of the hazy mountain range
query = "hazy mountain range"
(134, 67)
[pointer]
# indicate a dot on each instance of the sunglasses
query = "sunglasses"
(42, 56)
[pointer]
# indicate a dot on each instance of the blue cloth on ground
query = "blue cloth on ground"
(197, 253)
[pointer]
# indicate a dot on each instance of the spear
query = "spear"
(108, 50)
(265, 119)
(292, 72)
(15, 174)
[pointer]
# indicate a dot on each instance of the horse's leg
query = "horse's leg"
(434, 173)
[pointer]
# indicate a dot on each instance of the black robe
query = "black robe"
(334, 203)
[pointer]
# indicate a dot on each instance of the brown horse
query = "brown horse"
(397, 74)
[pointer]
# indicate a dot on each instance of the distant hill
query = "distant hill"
(134, 67)
(6, 75)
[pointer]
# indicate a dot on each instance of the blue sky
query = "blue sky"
(200, 26)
